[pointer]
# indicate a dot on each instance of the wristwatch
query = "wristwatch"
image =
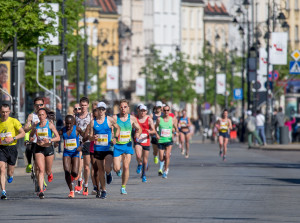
(14, 138)
(49, 140)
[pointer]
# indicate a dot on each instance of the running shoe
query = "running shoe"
(103, 194)
(85, 191)
(28, 168)
(187, 156)
(182, 152)
(220, 153)
(119, 173)
(155, 159)
(160, 172)
(98, 194)
(94, 191)
(50, 177)
(109, 178)
(123, 190)
(144, 179)
(3, 196)
(41, 195)
(139, 169)
(78, 188)
(164, 175)
(224, 158)
(10, 179)
(71, 194)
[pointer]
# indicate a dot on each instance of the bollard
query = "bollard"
(284, 135)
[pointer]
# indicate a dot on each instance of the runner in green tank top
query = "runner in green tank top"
(165, 126)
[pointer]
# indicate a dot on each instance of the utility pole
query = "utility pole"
(85, 54)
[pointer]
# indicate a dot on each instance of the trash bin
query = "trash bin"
(284, 135)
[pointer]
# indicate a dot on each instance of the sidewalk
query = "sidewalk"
(278, 147)
(56, 167)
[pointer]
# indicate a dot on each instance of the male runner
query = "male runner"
(123, 147)
(10, 131)
(82, 121)
(165, 125)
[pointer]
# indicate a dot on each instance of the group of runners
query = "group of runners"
(95, 144)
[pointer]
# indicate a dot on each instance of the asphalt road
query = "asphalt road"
(251, 186)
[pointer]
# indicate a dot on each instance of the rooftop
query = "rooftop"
(215, 10)
(106, 6)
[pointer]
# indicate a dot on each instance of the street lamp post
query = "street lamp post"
(85, 54)
(217, 37)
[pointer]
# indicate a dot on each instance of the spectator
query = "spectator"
(289, 122)
(260, 124)
(251, 128)
(279, 122)
(77, 109)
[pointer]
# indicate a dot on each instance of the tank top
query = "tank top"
(125, 130)
(70, 142)
(82, 123)
(165, 130)
(43, 132)
(104, 136)
(144, 139)
(155, 117)
(223, 126)
(183, 121)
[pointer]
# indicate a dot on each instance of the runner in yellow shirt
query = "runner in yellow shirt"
(10, 131)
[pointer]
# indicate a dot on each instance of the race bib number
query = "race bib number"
(165, 133)
(102, 140)
(143, 138)
(70, 144)
(3, 136)
(42, 133)
(125, 136)
(183, 124)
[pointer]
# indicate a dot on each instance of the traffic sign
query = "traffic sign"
(238, 94)
(296, 55)
(275, 75)
(59, 65)
(294, 67)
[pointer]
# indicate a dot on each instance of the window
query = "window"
(192, 20)
(296, 33)
(287, 5)
(296, 5)
(183, 19)
(199, 19)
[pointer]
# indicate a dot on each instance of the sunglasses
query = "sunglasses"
(38, 105)
(166, 110)
(77, 109)
(101, 109)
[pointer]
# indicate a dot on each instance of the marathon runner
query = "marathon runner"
(101, 135)
(44, 151)
(70, 134)
(165, 127)
(10, 131)
(82, 121)
(184, 133)
(223, 125)
(156, 114)
(142, 144)
(123, 147)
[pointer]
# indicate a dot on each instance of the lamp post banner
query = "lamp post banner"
(140, 89)
(112, 77)
(200, 85)
(221, 83)
(278, 48)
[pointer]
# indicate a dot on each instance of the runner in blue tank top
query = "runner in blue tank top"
(100, 133)
(70, 135)
(184, 124)
(123, 148)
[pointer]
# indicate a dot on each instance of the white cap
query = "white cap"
(138, 106)
(163, 105)
(143, 107)
(249, 112)
(159, 104)
(101, 105)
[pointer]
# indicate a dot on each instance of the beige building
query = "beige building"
(292, 12)
(192, 28)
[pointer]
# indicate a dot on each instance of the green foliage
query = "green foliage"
(22, 17)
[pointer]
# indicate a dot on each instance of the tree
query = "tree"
(22, 17)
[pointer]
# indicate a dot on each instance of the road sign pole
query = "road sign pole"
(54, 84)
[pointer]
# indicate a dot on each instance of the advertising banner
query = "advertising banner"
(200, 87)
(221, 84)
(5, 80)
(278, 48)
(140, 89)
(112, 77)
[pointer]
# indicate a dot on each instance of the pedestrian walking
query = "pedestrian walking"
(279, 122)
(251, 128)
(289, 122)
(260, 124)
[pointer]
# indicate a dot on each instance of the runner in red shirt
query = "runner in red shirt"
(142, 144)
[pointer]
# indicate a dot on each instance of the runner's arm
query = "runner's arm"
(28, 126)
(230, 124)
(53, 129)
(151, 125)
(175, 125)
(135, 124)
